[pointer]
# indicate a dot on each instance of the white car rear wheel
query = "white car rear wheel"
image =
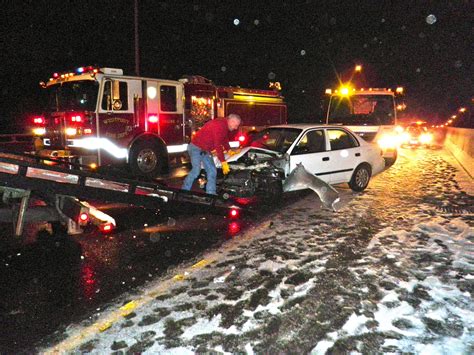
(361, 177)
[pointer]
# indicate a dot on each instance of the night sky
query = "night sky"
(302, 44)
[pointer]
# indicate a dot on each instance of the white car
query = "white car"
(332, 153)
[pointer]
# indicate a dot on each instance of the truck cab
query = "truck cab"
(371, 113)
(102, 117)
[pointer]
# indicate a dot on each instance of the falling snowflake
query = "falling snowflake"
(236, 22)
(430, 19)
(303, 52)
(223, 68)
(458, 64)
(271, 75)
(256, 22)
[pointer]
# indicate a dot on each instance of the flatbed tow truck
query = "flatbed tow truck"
(64, 189)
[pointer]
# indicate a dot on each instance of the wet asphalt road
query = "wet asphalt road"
(49, 282)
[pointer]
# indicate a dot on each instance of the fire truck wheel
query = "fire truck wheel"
(146, 159)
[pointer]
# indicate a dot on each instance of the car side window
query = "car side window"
(340, 139)
(312, 142)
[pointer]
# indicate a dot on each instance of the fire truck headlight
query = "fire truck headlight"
(426, 138)
(39, 131)
(71, 131)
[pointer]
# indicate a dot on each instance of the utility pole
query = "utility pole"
(137, 47)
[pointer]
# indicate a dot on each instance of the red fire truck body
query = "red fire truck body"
(101, 117)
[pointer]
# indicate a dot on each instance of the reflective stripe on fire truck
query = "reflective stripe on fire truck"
(93, 143)
(177, 148)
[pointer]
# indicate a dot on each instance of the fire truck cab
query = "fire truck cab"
(100, 117)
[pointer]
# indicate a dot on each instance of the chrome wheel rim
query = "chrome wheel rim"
(362, 178)
(147, 160)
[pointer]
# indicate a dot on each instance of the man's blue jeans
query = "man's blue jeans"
(199, 156)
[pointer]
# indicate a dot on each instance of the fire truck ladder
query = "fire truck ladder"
(64, 187)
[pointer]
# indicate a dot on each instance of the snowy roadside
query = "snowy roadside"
(392, 271)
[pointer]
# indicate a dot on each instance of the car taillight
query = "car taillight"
(106, 227)
(83, 217)
(234, 213)
(234, 228)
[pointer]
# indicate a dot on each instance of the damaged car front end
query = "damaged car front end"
(255, 172)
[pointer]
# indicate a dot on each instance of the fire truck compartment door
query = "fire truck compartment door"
(116, 120)
(171, 112)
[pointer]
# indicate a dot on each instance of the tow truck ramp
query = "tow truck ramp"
(65, 189)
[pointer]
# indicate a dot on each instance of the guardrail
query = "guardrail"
(17, 142)
(460, 142)
(15, 138)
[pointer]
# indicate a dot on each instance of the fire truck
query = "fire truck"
(371, 113)
(99, 116)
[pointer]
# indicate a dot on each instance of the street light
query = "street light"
(453, 116)
(358, 68)
(462, 109)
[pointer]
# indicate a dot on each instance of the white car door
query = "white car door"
(311, 151)
(345, 153)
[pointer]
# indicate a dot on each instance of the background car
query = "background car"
(416, 135)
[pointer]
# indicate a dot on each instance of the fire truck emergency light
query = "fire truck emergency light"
(77, 118)
(38, 120)
(344, 91)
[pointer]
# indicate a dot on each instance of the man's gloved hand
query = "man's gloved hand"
(225, 168)
(233, 152)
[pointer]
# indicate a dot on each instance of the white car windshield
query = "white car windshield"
(278, 139)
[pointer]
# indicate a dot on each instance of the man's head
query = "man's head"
(233, 121)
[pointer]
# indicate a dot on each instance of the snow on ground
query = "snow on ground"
(392, 271)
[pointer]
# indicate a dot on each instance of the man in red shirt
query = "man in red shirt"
(213, 136)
